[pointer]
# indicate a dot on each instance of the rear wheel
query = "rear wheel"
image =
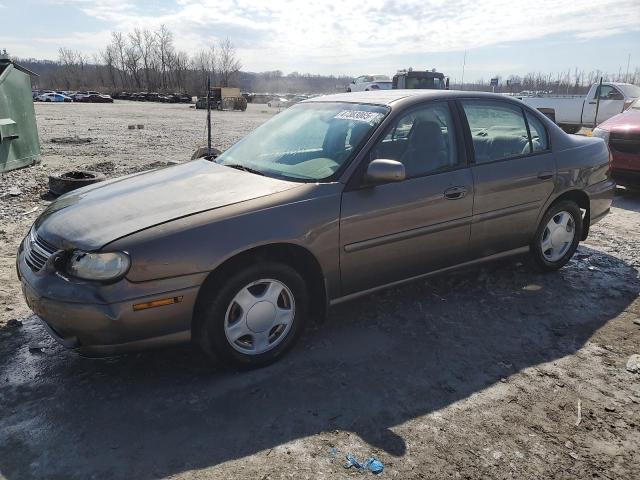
(557, 237)
(254, 317)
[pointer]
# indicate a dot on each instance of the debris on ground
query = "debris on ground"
(371, 464)
(633, 364)
(36, 348)
(34, 209)
(75, 140)
(14, 323)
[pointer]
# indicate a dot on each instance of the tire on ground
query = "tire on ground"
(215, 298)
(535, 248)
(66, 182)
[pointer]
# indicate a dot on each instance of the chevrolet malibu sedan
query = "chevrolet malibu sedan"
(336, 197)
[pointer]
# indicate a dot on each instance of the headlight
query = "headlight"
(98, 266)
(603, 134)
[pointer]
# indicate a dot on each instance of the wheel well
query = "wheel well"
(582, 199)
(297, 257)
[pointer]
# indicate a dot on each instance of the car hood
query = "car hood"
(627, 120)
(94, 216)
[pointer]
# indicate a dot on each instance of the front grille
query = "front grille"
(625, 142)
(37, 251)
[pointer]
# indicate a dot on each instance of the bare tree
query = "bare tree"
(165, 48)
(228, 62)
(118, 44)
(107, 56)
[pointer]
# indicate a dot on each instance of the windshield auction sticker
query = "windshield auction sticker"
(359, 115)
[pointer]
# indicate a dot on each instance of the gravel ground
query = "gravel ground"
(475, 374)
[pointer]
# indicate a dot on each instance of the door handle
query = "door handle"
(545, 175)
(455, 193)
(592, 103)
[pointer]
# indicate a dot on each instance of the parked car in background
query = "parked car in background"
(622, 134)
(366, 83)
(572, 112)
(77, 96)
(333, 198)
(93, 97)
(278, 102)
(121, 96)
(53, 97)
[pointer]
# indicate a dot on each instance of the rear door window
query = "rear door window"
(539, 140)
(498, 130)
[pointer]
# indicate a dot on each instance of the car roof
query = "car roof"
(388, 97)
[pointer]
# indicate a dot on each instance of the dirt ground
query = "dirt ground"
(474, 374)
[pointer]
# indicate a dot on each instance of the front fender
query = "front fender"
(200, 243)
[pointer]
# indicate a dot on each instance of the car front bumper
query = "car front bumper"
(97, 319)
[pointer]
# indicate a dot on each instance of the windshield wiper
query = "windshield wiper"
(243, 168)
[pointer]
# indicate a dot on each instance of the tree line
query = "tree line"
(148, 60)
(571, 82)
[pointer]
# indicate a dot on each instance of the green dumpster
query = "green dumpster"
(19, 143)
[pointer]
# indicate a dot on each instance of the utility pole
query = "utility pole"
(464, 63)
(626, 77)
(209, 117)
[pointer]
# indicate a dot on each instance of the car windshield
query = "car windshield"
(381, 78)
(630, 91)
(307, 142)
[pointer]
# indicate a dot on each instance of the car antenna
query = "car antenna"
(209, 118)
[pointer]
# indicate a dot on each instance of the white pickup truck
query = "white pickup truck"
(572, 112)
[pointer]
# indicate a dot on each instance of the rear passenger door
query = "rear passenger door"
(514, 174)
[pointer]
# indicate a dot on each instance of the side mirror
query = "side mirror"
(384, 171)
(353, 82)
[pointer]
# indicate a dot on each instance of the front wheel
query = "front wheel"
(557, 237)
(254, 317)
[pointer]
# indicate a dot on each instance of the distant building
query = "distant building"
(19, 142)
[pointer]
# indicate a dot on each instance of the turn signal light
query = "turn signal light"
(156, 303)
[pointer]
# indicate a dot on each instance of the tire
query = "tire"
(61, 184)
(570, 129)
(220, 316)
(557, 256)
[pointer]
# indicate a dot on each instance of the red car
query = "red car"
(622, 134)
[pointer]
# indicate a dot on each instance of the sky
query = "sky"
(500, 37)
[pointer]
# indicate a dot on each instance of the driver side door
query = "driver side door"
(395, 231)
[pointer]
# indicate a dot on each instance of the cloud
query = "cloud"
(286, 34)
